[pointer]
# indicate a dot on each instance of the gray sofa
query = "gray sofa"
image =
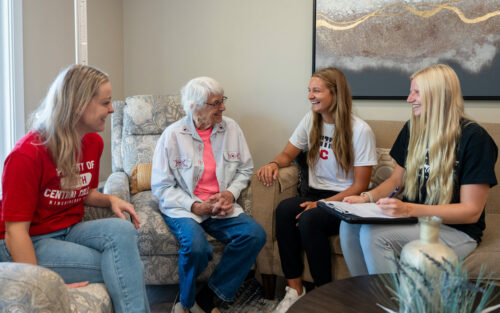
(136, 126)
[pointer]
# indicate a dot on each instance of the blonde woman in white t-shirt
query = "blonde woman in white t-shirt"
(340, 154)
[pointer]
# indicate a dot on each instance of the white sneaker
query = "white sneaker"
(290, 297)
(178, 308)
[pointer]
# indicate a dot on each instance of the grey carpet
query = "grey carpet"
(249, 299)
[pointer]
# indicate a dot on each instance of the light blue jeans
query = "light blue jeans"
(244, 238)
(97, 251)
(370, 248)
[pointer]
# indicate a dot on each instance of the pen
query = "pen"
(394, 192)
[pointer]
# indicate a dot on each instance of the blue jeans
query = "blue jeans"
(97, 251)
(244, 238)
(369, 248)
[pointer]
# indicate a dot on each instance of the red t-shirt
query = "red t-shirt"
(31, 186)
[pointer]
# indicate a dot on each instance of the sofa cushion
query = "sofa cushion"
(155, 238)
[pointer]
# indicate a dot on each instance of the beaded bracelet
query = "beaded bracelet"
(370, 196)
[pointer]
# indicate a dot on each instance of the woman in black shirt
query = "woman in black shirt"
(444, 167)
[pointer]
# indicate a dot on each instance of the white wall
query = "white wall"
(261, 52)
(48, 45)
(105, 47)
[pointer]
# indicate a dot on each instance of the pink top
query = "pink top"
(208, 184)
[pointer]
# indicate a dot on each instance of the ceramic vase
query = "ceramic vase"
(414, 256)
(413, 252)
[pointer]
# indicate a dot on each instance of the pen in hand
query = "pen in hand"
(394, 192)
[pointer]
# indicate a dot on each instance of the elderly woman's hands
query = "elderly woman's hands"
(221, 204)
(202, 208)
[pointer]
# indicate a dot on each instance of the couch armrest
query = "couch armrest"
(117, 185)
(487, 253)
(245, 200)
(31, 288)
(264, 203)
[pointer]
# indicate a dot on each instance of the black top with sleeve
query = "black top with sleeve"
(476, 157)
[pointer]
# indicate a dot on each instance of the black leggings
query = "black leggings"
(315, 226)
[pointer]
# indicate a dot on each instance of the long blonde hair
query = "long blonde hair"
(56, 118)
(436, 132)
(341, 110)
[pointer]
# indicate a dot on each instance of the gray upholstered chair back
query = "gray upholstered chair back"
(137, 124)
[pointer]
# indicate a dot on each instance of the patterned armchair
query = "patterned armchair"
(137, 124)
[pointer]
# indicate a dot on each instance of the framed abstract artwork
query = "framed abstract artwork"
(378, 44)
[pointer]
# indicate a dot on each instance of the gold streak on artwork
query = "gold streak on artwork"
(327, 22)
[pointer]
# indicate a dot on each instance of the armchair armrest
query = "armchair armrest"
(264, 203)
(33, 288)
(117, 185)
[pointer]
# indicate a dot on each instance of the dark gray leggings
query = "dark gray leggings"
(315, 226)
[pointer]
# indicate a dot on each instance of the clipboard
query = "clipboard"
(362, 213)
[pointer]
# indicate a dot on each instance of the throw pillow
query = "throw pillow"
(140, 179)
(383, 169)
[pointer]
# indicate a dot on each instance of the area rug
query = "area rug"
(249, 299)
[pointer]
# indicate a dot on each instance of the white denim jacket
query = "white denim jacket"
(178, 165)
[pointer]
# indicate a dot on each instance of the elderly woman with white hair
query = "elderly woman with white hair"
(200, 166)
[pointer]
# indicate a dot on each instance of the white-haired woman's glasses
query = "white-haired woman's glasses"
(217, 103)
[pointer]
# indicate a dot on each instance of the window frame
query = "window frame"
(12, 122)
